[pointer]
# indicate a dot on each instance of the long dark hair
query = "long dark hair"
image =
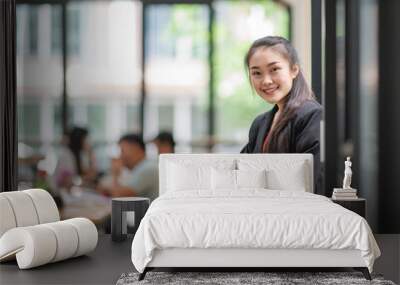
(300, 92)
(76, 138)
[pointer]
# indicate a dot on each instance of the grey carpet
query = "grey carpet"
(225, 278)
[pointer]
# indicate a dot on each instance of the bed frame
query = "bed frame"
(243, 259)
(246, 258)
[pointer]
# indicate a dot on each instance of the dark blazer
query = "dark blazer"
(303, 131)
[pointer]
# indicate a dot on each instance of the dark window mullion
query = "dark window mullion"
(8, 98)
(316, 48)
(352, 96)
(330, 99)
(352, 65)
(211, 84)
(143, 93)
(64, 39)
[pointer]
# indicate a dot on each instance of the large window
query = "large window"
(39, 87)
(177, 71)
(136, 66)
(238, 24)
(103, 70)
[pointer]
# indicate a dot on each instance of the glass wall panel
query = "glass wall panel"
(369, 70)
(103, 75)
(238, 24)
(341, 77)
(103, 71)
(177, 72)
(39, 90)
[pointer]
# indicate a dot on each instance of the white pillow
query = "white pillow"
(188, 177)
(292, 179)
(236, 179)
(281, 173)
(193, 174)
(251, 178)
(223, 179)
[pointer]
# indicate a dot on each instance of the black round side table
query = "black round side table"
(122, 208)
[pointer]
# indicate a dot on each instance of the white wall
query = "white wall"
(301, 33)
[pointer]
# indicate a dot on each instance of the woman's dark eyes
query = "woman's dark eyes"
(275, 69)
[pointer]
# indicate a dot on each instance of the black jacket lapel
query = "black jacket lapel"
(264, 128)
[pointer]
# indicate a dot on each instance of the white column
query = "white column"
(115, 119)
(301, 33)
(44, 31)
(151, 126)
(80, 114)
(46, 120)
(22, 36)
(183, 120)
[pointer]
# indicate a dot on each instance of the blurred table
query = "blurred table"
(31, 160)
(86, 203)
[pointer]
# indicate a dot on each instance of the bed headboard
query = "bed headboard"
(271, 160)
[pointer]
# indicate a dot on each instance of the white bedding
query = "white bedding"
(251, 218)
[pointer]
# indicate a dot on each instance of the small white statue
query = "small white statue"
(347, 174)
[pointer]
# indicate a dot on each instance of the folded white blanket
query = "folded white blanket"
(252, 218)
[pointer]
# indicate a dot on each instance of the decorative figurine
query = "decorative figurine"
(347, 174)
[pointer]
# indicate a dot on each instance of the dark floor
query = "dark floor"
(102, 266)
(389, 263)
(111, 259)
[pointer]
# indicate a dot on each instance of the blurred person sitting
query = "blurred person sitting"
(85, 161)
(75, 160)
(164, 142)
(140, 176)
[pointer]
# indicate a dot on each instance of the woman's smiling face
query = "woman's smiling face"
(271, 75)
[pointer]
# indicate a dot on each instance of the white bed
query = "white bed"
(247, 210)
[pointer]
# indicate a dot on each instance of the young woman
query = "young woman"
(74, 158)
(78, 143)
(293, 124)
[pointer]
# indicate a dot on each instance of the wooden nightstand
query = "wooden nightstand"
(355, 205)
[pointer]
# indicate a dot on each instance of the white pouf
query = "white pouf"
(41, 244)
(33, 246)
(46, 208)
(67, 239)
(7, 218)
(87, 234)
(23, 208)
(31, 232)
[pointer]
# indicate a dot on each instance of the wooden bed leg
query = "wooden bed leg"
(143, 274)
(364, 271)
